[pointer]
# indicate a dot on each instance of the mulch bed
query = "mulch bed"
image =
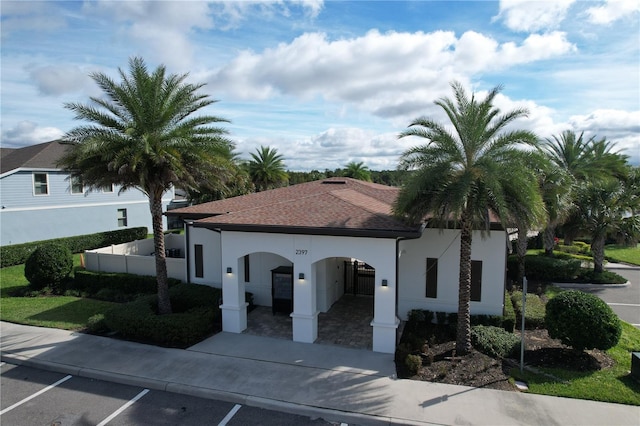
(441, 364)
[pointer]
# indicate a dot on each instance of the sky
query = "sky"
(332, 82)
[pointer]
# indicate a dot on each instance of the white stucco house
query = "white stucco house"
(294, 249)
(41, 201)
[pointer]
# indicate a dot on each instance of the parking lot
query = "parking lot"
(36, 397)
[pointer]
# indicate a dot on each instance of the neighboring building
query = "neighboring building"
(300, 248)
(40, 201)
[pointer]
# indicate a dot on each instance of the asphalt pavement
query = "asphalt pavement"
(333, 383)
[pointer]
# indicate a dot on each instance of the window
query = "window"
(476, 280)
(432, 278)
(197, 248)
(76, 185)
(246, 269)
(107, 188)
(40, 184)
(122, 217)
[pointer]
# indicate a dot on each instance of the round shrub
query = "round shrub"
(582, 321)
(413, 364)
(48, 265)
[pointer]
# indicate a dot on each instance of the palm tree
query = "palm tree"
(357, 171)
(143, 135)
(465, 175)
(267, 169)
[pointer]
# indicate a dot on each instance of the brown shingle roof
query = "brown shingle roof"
(40, 156)
(335, 206)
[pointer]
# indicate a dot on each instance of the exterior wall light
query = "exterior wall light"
(301, 276)
(229, 270)
(385, 283)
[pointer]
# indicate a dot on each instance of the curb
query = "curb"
(589, 285)
(207, 393)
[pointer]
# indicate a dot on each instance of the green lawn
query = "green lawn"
(610, 385)
(623, 254)
(66, 312)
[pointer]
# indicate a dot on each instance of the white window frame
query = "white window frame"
(122, 218)
(33, 179)
(71, 184)
(107, 189)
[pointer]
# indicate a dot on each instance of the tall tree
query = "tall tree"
(143, 134)
(266, 169)
(357, 171)
(466, 174)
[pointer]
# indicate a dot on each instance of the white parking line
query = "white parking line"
(124, 407)
(17, 404)
(229, 416)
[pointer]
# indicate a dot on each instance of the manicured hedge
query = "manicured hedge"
(534, 311)
(17, 254)
(48, 265)
(509, 317)
(543, 268)
(111, 285)
(196, 316)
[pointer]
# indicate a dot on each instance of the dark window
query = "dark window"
(76, 185)
(122, 217)
(247, 277)
(476, 280)
(197, 248)
(40, 184)
(432, 277)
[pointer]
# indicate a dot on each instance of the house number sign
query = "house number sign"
(301, 252)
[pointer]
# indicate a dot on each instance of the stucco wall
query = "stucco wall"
(445, 246)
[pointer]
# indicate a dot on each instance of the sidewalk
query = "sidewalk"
(337, 384)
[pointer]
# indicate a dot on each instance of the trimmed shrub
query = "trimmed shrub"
(604, 277)
(115, 287)
(19, 253)
(582, 321)
(534, 313)
(543, 268)
(509, 317)
(413, 364)
(97, 325)
(48, 266)
(139, 320)
(494, 341)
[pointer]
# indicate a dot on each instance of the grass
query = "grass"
(66, 312)
(623, 254)
(614, 384)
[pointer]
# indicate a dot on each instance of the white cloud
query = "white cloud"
(30, 16)
(612, 10)
(29, 133)
(529, 16)
(387, 74)
(59, 79)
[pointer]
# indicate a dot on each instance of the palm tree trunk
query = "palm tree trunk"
(155, 204)
(463, 338)
(521, 251)
(548, 238)
(597, 248)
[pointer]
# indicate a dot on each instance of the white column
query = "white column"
(234, 307)
(385, 322)
(305, 314)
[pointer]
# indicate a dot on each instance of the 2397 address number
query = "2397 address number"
(301, 252)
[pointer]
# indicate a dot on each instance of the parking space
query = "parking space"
(36, 397)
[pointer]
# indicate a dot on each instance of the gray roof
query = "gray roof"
(41, 156)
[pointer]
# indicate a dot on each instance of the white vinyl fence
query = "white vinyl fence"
(137, 257)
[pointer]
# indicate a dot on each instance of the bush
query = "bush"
(494, 341)
(604, 277)
(48, 265)
(413, 364)
(582, 321)
(509, 317)
(139, 321)
(534, 313)
(17, 254)
(115, 287)
(543, 268)
(97, 325)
